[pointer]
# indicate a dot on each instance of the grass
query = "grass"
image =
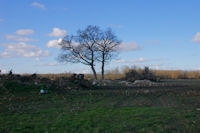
(158, 110)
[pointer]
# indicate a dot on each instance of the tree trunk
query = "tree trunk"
(92, 66)
(102, 67)
(94, 72)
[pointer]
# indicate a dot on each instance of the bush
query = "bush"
(147, 74)
(133, 75)
(14, 86)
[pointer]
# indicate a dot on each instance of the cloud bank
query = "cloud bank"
(18, 38)
(22, 50)
(128, 46)
(25, 32)
(139, 60)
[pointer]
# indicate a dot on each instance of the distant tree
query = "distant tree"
(147, 74)
(81, 48)
(10, 72)
(107, 45)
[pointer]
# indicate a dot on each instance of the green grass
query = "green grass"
(99, 111)
(100, 119)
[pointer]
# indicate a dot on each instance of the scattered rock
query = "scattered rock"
(143, 83)
(126, 83)
(94, 82)
(42, 91)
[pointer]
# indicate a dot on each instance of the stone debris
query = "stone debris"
(143, 83)
(126, 83)
(101, 82)
(42, 91)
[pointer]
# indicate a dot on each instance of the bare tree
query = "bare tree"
(107, 45)
(81, 48)
(88, 47)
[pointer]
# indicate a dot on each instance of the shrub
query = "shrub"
(14, 86)
(133, 75)
(147, 74)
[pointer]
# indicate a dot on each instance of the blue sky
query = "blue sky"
(154, 33)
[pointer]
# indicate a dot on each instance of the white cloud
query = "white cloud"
(58, 32)
(54, 43)
(80, 70)
(19, 39)
(130, 46)
(25, 32)
(85, 71)
(48, 64)
(37, 59)
(196, 37)
(22, 50)
(38, 5)
(1, 20)
(3, 71)
(157, 67)
(139, 60)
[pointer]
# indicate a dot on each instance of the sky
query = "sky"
(154, 33)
